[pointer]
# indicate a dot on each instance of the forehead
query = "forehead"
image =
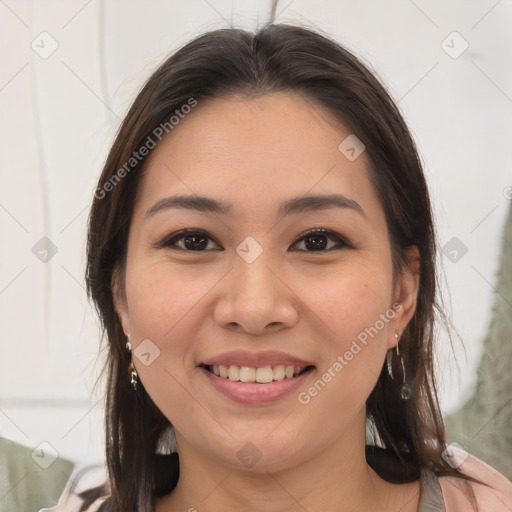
(256, 152)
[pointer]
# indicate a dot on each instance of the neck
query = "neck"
(336, 479)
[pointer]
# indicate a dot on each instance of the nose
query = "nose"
(255, 298)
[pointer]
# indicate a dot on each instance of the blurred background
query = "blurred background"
(69, 70)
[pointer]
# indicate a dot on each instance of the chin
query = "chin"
(258, 454)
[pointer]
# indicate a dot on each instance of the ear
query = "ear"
(406, 294)
(119, 296)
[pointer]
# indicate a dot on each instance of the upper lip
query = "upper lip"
(255, 359)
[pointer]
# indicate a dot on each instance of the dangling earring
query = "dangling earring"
(405, 389)
(133, 372)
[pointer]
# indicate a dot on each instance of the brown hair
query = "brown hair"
(277, 58)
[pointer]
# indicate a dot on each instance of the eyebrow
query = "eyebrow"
(291, 206)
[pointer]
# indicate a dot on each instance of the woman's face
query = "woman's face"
(247, 287)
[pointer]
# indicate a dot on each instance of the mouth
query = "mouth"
(259, 375)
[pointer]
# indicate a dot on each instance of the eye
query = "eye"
(193, 240)
(190, 240)
(317, 240)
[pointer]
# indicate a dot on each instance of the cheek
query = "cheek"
(355, 343)
(163, 307)
(346, 301)
(352, 315)
(161, 298)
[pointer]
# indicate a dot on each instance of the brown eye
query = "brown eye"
(318, 240)
(188, 240)
(195, 242)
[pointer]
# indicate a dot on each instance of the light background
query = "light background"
(59, 115)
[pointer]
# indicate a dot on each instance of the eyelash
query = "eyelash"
(171, 240)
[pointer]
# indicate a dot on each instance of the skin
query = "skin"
(255, 154)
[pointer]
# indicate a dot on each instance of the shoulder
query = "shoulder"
(493, 495)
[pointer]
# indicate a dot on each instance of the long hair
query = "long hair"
(277, 58)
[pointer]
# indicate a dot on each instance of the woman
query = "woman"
(261, 252)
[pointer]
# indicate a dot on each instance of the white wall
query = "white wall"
(58, 116)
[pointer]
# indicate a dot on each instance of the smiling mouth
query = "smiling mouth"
(261, 375)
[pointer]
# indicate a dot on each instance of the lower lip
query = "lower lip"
(255, 393)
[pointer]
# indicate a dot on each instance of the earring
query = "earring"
(405, 389)
(133, 372)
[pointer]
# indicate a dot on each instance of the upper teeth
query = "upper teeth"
(261, 375)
